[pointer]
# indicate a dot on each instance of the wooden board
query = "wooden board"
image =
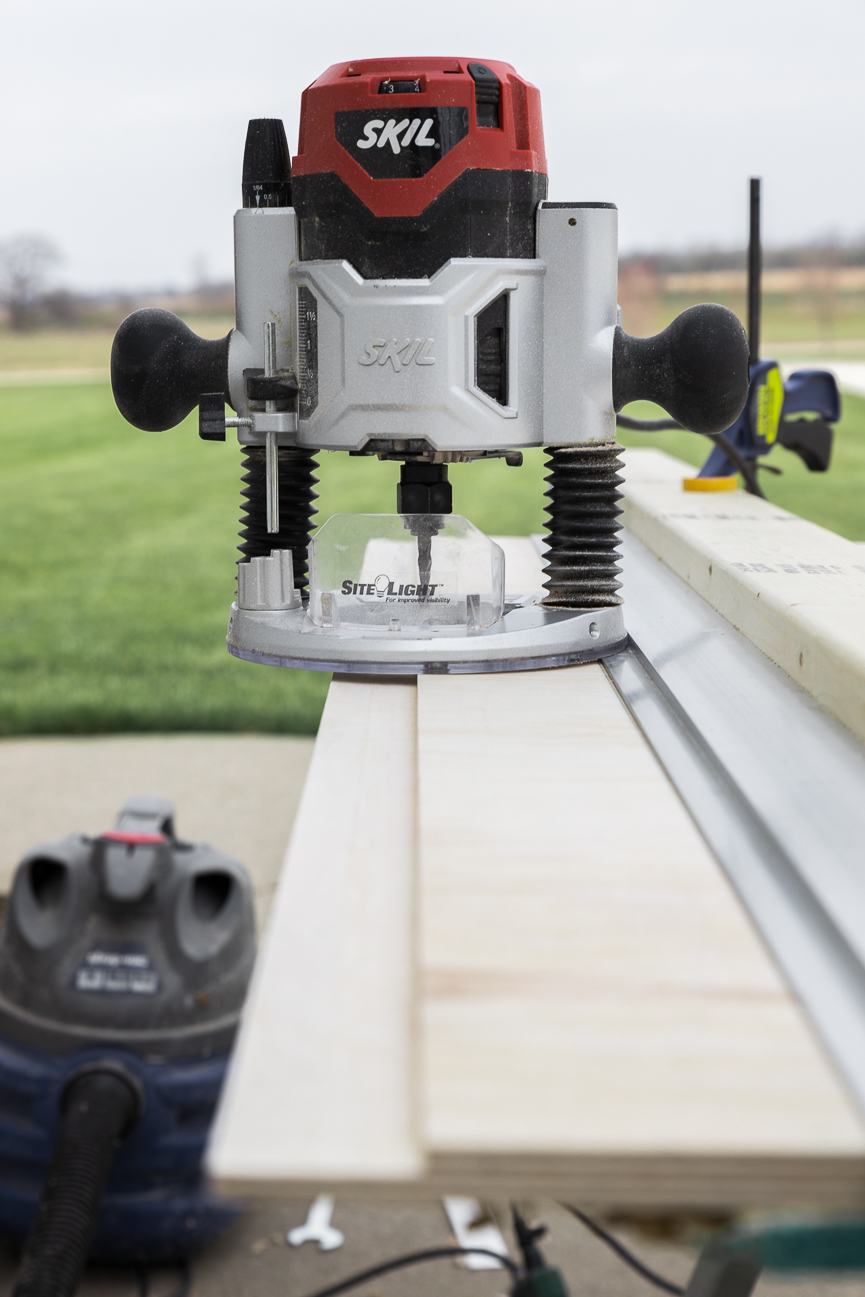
(595, 1002)
(550, 989)
(322, 1079)
(794, 589)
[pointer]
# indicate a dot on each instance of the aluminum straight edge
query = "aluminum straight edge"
(819, 965)
(775, 784)
(792, 761)
(821, 968)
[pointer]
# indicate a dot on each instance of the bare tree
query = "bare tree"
(24, 263)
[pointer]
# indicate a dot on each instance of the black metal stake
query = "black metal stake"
(755, 270)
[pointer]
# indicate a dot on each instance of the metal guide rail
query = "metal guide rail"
(775, 784)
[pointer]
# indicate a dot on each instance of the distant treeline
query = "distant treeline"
(803, 255)
(31, 298)
(61, 308)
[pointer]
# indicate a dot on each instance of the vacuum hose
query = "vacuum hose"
(99, 1108)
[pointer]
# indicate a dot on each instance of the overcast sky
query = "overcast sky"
(123, 121)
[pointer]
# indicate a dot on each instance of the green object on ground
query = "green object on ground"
(548, 1283)
(119, 548)
(800, 1246)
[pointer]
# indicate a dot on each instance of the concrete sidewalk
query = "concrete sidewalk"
(238, 792)
(253, 1259)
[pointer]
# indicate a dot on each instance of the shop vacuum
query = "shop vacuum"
(124, 962)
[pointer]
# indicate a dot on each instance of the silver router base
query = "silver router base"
(527, 638)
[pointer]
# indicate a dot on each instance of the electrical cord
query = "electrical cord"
(414, 1258)
(646, 425)
(527, 1239)
(745, 467)
(621, 1251)
(736, 458)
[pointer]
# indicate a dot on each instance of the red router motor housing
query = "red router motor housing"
(405, 163)
(517, 144)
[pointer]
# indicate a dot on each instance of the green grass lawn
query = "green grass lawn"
(119, 553)
(87, 347)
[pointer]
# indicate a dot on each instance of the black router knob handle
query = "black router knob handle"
(266, 164)
(159, 368)
(696, 369)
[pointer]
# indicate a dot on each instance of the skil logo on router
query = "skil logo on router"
(390, 134)
(400, 146)
(400, 354)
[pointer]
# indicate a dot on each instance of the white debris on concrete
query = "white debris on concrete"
(317, 1227)
(474, 1226)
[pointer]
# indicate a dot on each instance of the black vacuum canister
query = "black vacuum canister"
(124, 963)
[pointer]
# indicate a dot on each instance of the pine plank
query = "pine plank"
(321, 1084)
(591, 985)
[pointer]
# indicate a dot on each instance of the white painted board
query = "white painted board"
(794, 589)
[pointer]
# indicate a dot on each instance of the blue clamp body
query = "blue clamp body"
(766, 420)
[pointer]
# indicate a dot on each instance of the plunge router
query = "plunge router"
(406, 290)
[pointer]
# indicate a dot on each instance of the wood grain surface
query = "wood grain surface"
(591, 986)
(322, 1082)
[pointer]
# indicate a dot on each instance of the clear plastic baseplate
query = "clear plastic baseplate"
(423, 574)
(415, 593)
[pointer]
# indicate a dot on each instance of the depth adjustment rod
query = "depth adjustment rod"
(271, 455)
(160, 371)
